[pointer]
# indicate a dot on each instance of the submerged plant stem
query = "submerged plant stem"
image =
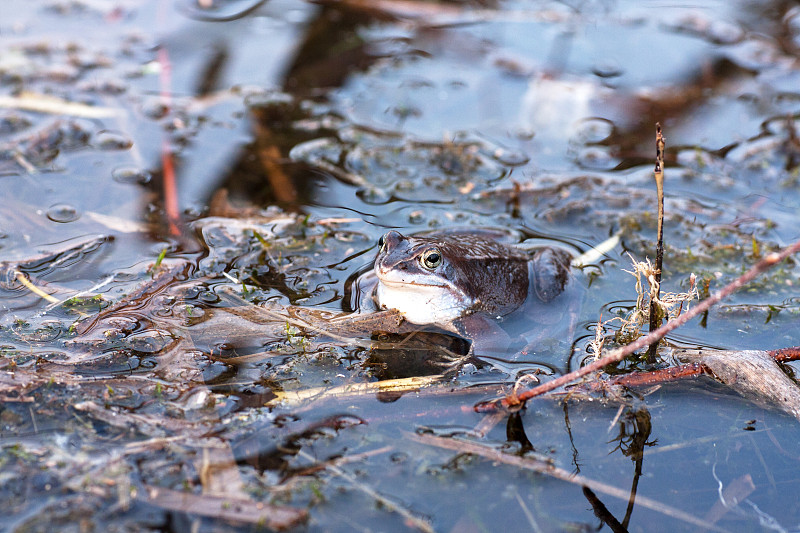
(169, 183)
(411, 519)
(20, 277)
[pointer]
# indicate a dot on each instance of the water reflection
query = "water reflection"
(326, 125)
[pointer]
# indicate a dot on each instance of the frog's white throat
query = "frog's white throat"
(422, 304)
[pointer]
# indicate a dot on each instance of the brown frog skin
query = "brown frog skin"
(437, 279)
(444, 279)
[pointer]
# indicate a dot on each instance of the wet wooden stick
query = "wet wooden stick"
(662, 375)
(688, 370)
(516, 400)
(655, 291)
(784, 355)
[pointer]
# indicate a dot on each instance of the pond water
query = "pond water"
(256, 152)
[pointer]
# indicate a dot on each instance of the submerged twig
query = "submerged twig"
(546, 468)
(20, 277)
(619, 354)
(226, 508)
(356, 389)
(270, 157)
(411, 519)
(342, 460)
(168, 181)
(40, 103)
(597, 252)
(739, 489)
(161, 281)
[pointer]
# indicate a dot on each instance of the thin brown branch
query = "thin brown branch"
(655, 319)
(784, 355)
(662, 375)
(515, 401)
(693, 369)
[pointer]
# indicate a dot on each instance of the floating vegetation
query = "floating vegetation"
(184, 229)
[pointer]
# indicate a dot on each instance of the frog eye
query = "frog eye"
(431, 258)
(382, 241)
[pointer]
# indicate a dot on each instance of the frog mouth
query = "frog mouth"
(395, 283)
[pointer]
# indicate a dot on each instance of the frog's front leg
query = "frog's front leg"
(486, 336)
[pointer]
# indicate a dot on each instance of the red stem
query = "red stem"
(171, 206)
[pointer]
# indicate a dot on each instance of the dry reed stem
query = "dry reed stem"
(658, 173)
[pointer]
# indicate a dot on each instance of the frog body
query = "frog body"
(504, 300)
(438, 279)
(470, 283)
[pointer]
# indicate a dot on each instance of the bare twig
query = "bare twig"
(655, 289)
(784, 355)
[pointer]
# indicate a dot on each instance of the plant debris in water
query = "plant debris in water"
(187, 362)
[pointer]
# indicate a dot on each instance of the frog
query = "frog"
(467, 282)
